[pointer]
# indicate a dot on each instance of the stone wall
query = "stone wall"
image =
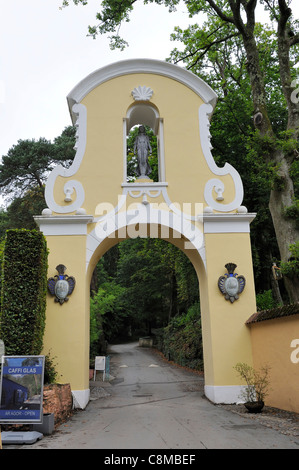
(58, 399)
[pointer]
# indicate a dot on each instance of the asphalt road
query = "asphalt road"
(150, 404)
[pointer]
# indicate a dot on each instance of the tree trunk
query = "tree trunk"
(285, 229)
(280, 197)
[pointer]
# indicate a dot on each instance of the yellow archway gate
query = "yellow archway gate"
(194, 204)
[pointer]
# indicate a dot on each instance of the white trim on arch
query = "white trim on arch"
(145, 215)
(149, 66)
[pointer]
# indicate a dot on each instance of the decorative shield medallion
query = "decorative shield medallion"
(61, 289)
(61, 285)
(231, 285)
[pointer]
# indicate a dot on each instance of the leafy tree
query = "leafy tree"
(141, 273)
(109, 311)
(231, 22)
(28, 163)
(23, 173)
(222, 65)
(21, 211)
(25, 166)
(157, 281)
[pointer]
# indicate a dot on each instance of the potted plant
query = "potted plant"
(257, 386)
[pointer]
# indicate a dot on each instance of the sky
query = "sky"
(45, 52)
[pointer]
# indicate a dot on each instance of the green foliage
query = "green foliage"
(20, 213)
(265, 301)
(294, 173)
(63, 147)
(27, 164)
(50, 374)
(181, 340)
(23, 173)
(24, 288)
(142, 284)
(257, 382)
(113, 14)
(291, 267)
(145, 277)
(2, 246)
(108, 313)
(292, 212)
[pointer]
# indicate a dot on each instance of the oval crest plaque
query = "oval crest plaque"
(61, 289)
(231, 285)
(61, 285)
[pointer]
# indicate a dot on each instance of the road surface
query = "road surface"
(150, 404)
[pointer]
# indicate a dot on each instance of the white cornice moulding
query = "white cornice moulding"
(134, 66)
(64, 224)
(227, 223)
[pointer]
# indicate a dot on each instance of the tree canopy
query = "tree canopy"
(28, 163)
(23, 174)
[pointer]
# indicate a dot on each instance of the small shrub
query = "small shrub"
(257, 382)
(50, 373)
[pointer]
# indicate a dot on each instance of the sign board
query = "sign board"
(21, 389)
(99, 364)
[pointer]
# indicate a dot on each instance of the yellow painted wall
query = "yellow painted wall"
(101, 171)
(67, 325)
(271, 343)
(228, 340)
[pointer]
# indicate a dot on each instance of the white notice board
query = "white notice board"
(99, 364)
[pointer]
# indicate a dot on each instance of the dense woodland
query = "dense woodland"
(147, 286)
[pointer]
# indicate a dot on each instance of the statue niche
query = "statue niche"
(143, 133)
(142, 159)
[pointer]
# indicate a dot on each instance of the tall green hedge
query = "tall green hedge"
(23, 295)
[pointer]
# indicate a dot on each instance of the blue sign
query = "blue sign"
(21, 389)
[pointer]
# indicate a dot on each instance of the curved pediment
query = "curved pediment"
(178, 106)
(140, 66)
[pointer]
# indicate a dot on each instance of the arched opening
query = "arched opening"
(150, 318)
(141, 286)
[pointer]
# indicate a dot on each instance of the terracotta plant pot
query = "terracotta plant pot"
(254, 406)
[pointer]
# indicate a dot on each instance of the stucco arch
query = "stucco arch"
(91, 206)
(158, 225)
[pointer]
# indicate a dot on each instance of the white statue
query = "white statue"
(143, 148)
